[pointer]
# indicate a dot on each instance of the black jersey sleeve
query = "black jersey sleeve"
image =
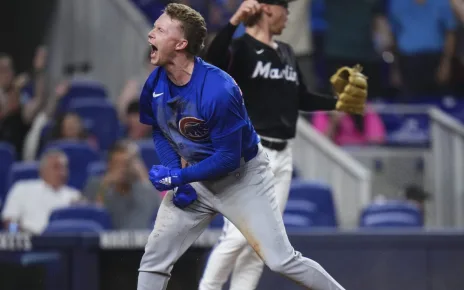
(219, 51)
(311, 101)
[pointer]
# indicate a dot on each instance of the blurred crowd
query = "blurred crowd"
(409, 49)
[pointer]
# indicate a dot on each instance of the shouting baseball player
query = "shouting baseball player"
(197, 112)
(268, 74)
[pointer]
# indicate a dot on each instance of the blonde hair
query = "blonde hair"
(192, 23)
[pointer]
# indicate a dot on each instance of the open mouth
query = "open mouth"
(153, 48)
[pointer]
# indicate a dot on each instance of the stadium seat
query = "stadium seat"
(391, 214)
(310, 204)
(7, 157)
(80, 155)
(22, 171)
(81, 89)
(83, 213)
(148, 153)
(73, 226)
(101, 119)
(96, 168)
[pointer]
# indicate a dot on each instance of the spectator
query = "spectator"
(349, 38)
(125, 190)
(458, 71)
(69, 127)
(16, 118)
(416, 195)
(30, 202)
(135, 129)
(424, 33)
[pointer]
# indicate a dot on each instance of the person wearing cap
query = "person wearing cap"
(274, 92)
(415, 194)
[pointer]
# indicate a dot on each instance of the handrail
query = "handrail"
(446, 121)
(343, 158)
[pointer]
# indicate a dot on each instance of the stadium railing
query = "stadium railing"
(448, 168)
(316, 158)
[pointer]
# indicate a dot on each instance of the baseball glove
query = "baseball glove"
(350, 85)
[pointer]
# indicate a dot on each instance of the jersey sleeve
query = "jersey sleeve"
(224, 110)
(146, 111)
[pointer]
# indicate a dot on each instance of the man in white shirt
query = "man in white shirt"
(30, 202)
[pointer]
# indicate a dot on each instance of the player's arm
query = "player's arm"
(220, 53)
(310, 101)
(225, 122)
(167, 155)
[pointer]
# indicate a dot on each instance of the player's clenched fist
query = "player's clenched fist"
(164, 178)
(246, 9)
(350, 85)
(184, 196)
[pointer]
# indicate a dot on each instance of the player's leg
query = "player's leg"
(174, 232)
(252, 207)
(222, 258)
(249, 266)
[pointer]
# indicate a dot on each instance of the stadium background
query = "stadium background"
(348, 207)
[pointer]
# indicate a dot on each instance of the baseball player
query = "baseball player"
(268, 74)
(197, 112)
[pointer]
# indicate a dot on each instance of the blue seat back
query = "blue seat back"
(84, 213)
(79, 89)
(100, 118)
(80, 155)
(22, 171)
(7, 157)
(391, 214)
(310, 204)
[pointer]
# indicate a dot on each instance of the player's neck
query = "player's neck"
(180, 70)
(261, 34)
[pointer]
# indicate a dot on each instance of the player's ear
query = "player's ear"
(266, 9)
(181, 44)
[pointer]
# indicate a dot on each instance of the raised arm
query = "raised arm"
(219, 52)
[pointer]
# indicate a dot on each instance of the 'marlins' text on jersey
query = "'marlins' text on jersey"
(267, 71)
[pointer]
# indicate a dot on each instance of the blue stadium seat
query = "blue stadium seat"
(101, 119)
(81, 89)
(80, 155)
(7, 157)
(22, 171)
(391, 214)
(310, 204)
(96, 168)
(148, 153)
(73, 226)
(91, 213)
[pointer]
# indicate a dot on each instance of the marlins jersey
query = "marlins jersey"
(270, 80)
(191, 117)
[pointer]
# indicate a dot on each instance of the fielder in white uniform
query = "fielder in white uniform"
(274, 93)
(198, 113)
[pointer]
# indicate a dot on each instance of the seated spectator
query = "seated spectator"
(16, 117)
(424, 34)
(416, 195)
(125, 190)
(69, 127)
(30, 202)
(135, 129)
(343, 130)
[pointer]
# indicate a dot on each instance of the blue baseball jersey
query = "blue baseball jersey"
(210, 106)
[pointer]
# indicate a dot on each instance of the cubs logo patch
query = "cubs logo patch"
(193, 128)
